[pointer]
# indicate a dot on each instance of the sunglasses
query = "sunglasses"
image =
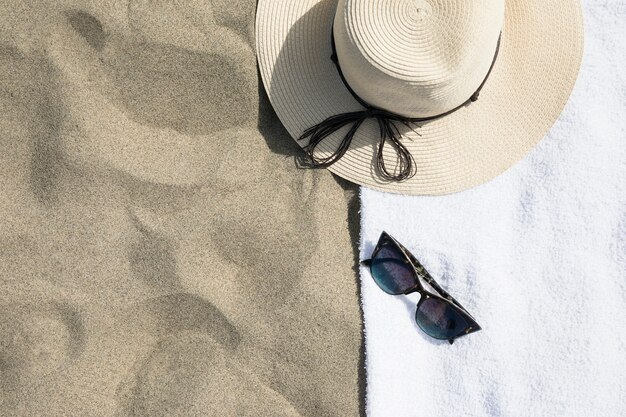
(396, 271)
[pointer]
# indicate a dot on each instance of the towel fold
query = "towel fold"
(537, 256)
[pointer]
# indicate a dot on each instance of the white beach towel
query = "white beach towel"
(537, 256)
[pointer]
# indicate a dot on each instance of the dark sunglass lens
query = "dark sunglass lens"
(439, 319)
(391, 271)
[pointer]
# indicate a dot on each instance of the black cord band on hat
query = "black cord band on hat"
(389, 132)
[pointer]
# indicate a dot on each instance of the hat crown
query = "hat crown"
(416, 58)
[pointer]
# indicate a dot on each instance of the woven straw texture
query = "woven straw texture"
(537, 66)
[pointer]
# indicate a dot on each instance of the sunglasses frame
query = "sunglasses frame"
(420, 272)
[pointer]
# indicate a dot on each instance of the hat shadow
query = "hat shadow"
(287, 60)
(280, 142)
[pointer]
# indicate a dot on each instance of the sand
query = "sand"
(160, 251)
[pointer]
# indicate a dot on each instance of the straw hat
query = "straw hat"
(409, 72)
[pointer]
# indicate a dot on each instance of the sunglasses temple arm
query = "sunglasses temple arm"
(425, 275)
(444, 293)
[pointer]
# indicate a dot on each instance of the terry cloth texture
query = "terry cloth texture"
(537, 256)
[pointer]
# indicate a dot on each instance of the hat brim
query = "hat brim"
(536, 69)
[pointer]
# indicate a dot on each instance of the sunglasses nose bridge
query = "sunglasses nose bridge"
(416, 288)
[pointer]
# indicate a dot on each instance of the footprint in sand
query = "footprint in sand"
(188, 374)
(158, 99)
(37, 340)
(182, 312)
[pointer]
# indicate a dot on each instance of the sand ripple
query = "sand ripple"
(160, 253)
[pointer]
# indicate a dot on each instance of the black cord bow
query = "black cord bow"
(388, 130)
